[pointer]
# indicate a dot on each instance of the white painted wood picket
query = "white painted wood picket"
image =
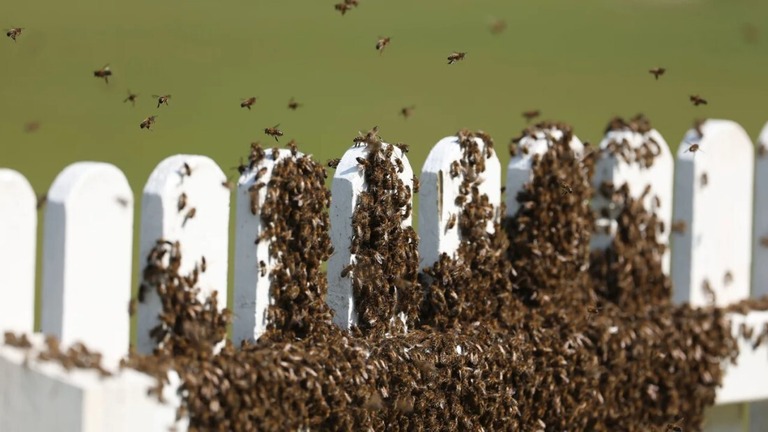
(87, 248)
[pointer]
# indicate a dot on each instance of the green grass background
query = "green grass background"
(577, 61)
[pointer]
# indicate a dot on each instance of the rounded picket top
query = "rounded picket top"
(18, 231)
(347, 185)
(520, 168)
(87, 247)
(185, 200)
(760, 236)
(441, 177)
(656, 172)
(712, 214)
(252, 279)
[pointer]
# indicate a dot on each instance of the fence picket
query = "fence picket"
(712, 215)
(201, 226)
(614, 169)
(18, 234)
(760, 219)
(348, 183)
(252, 279)
(87, 248)
(437, 198)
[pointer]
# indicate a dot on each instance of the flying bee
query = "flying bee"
(456, 56)
(182, 201)
(342, 7)
(657, 72)
(147, 122)
(498, 26)
(697, 100)
(131, 97)
(13, 33)
(407, 111)
(403, 147)
(530, 115)
(162, 100)
(241, 168)
(274, 131)
(333, 163)
(293, 105)
(382, 43)
(104, 72)
(247, 103)
(190, 214)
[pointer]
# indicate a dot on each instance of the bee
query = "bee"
(565, 188)
(342, 7)
(190, 214)
(345, 271)
(675, 427)
(147, 122)
(370, 137)
(382, 43)
(657, 72)
(203, 264)
(263, 268)
(679, 226)
(594, 310)
(460, 200)
(333, 163)
(704, 179)
(162, 100)
(41, 200)
(122, 201)
(451, 222)
(498, 26)
(241, 168)
(293, 105)
(274, 131)
(13, 33)
(416, 184)
(456, 56)
(693, 148)
(362, 162)
(530, 115)
(407, 111)
(400, 166)
(228, 184)
(31, 127)
(132, 307)
(182, 202)
(131, 97)
(697, 100)
(104, 72)
(186, 169)
(294, 148)
(247, 103)
(455, 170)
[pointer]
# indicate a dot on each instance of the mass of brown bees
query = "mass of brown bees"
(525, 329)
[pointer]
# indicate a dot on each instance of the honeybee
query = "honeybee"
(403, 147)
(333, 163)
(382, 43)
(657, 72)
(274, 131)
(342, 7)
(530, 115)
(182, 201)
(372, 136)
(190, 214)
(697, 100)
(203, 264)
(104, 72)
(456, 56)
(498, 26)
(162, 99)
(147, 122)
(13, 33)
(263, 268)
(186, 169)
(407, 111)
(565, 188)
(247, 103)
(293, 105)
(131, 97)
(132, 307)
(451, 222)
(679, 226)
(693, 148)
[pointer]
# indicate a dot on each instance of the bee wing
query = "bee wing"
(276, 126)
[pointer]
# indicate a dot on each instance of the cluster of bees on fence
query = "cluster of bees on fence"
(510, 333)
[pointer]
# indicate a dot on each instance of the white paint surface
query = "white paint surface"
(18, 235)
(520, 168)
(348, 184)
(252, 290)
(613, 168)
(760, 252)
(87, 247)
(40, 396)
(718, 236)
(437, 198)
(204, 235)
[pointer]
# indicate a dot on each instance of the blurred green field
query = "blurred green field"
(581, 62)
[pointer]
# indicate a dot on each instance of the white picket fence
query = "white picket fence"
(87, 261)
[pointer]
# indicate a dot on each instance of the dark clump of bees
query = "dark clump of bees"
(524, 329)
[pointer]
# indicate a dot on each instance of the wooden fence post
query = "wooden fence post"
(348, 183)
(437, 197)
(760, 242)
(520, 168)
(659, 176)
(185, 200)
(18, 235)
(712, 215)
(87, 248)
(252, 279)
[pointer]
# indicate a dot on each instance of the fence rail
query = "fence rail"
(706, 200)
